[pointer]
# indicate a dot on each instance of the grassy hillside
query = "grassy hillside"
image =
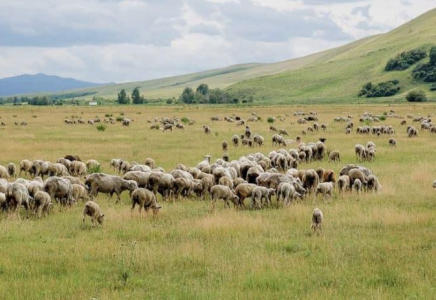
(340, 75)
(329, 76)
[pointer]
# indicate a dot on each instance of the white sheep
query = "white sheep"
(324, 188)
(317, 218)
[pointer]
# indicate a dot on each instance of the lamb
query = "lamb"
(25, 166)
(357, 185)
(317, 219)
(392, 142)
(372, 183)
(206, 129)
(324, 188)
(287, 192)
(12, 170)
(92, 164)
(235, 140)
(343, 183)
(335, 156)
(93, 210)
(79, 192)
(224, 193)
(145, 199)
(4, 174)
(224, 145)
(42, 204)
(260, 193)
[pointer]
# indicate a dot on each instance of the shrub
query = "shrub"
(382, 118)
(169, 101)
(101, 127)
(120, 119)
(270, 120)
(433, 87)
(416, 96)
(382, 89)
(108, 115)
(185, 120)
(95, 169)
(404, 60)
(427, 72)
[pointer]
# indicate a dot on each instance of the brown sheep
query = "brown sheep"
(93, 210)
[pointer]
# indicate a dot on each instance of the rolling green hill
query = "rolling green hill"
(329, 76)
(340, 73)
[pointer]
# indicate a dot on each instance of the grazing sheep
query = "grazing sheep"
(324, 188)
(393, 142)
(261, 193)
(355, 174)
(343, 183)
(357, 185)
(287, 192)
(235, 140)
(80, 192)
(317, 218)
(372, 183)
(17, 195)
(12, 170)
(145, 199)
(42, 203)
(206, 129)
(224, 145)
(335, 156)
(360, 151)
(150, 162)
(243, 191)
(434, 184)
(108, 184)
(4, 174)
(93, 210)
(310, 180)
(60, 189)
(224, 193)
(25, 166)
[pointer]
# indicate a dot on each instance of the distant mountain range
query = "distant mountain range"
(41, 83)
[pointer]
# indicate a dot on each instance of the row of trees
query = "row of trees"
(205, 95)
(136, 98)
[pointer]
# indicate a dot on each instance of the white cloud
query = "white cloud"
(128, 40)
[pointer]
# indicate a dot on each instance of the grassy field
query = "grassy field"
(374, 246)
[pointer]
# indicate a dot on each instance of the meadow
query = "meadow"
(373, 246)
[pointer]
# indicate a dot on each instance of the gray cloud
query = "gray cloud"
(126, 40)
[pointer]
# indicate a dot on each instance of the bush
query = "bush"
(101, 127)
(169, 101)
(416, 96)
(270, 120)
(382, 118)
(95, 169)
(433, 87)
(185, 120)
(427, 72)
(108, 115)
(404, 60)
(382, 89)
(120, 119)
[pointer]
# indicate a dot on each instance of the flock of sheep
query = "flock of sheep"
(259, 177)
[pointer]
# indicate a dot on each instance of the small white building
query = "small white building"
(93, 103)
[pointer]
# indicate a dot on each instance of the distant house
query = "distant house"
(92, 103)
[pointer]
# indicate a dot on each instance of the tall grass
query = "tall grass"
(374, 246)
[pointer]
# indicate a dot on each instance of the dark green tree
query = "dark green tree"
(136, 96)
(203, 89)
(122, 97)
(187, 96)
(433, 55)
(416, 96)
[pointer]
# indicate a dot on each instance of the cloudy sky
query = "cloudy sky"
(131, 40)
